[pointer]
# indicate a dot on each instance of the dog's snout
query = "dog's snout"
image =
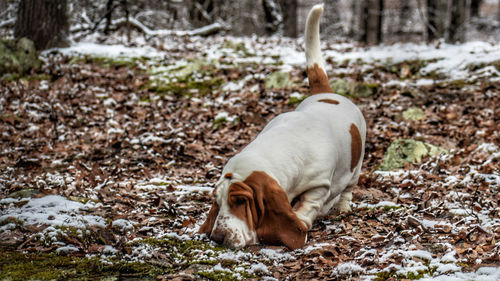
(218, 236)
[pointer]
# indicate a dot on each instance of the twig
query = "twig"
(8, 23)
(424, 19)
(205, 30)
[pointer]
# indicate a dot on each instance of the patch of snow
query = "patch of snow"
(447, 59)
(110, 51)
(224, 116)
(66, 249)
(380, 204)
(482, 274)
(276, 255)
(234, 256)
(232, 86)
(109, 250)
(122, 224)
(53, 210)
(311, 248)
(259, 268)
(347, 269)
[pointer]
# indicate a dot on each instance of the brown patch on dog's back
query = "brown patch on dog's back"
(331, 101)
(318, 80)
(356, 146)
(228, 176)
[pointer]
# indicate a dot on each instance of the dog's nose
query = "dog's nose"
(218, 236)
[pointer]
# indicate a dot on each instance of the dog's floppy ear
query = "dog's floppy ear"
(277, 223)
(207, 226)
(242, 204)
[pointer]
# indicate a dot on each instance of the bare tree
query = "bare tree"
(289, 9)
(457, 10)
(354, 21)
(475, 5)
(43, 21)
(404, 15)
(331, 23)
(436, 18)
(274, 16)
(371, 13)
(498, 11)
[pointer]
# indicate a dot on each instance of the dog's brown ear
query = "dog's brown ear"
(207, 226)
(277, 223)
(242, 204)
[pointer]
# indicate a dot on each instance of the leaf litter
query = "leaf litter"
(99, 161)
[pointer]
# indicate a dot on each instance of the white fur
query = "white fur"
(307, 151)
(313, 47)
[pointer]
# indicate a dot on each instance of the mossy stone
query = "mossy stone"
(414, 114)
(278, 80)
(401, 152)
(342, 87)
(18, 56)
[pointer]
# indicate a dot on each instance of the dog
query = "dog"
(303, 165)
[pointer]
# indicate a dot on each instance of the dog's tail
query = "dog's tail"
(315, 65)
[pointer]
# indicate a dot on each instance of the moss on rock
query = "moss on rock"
(413, 113)
(18, 56)
(401, 152)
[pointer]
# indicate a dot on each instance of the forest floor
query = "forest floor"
(109, 155)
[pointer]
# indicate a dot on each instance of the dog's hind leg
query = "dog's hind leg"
(345, 198)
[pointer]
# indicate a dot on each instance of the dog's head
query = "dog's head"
(251, 211)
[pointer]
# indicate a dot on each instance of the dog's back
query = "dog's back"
(300, 149)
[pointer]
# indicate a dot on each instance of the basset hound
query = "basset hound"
(303, 165)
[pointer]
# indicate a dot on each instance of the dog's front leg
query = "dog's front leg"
(310, 204)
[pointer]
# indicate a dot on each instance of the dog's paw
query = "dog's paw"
(343, 207)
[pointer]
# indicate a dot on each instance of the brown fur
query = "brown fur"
(277, 223)
(207, 226)
(332, 101)
(228, 176)
(264, 206)
(240, 201)
(356, 146)
(318, 80)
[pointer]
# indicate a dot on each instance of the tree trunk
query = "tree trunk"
(354, 23)
(289, 8)
(108, 16)
(404, 15)
(371, 21)
(332, 23)
(43, 21)
(498, 11)
(436, 18)
(273, 15)
(474, 7)
(200, 12)
(456, 27)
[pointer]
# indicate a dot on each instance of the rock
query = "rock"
(342, 87)
(364, 90)
(351, 88)
(278, 80)
(414, 114)
(24, 193)
(401, 152)
(18, 56)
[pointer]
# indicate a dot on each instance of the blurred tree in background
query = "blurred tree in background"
(45, 22)
(369, 21)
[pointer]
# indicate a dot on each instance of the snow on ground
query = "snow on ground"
(51, 210)
(109, 51)
(453, 61)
